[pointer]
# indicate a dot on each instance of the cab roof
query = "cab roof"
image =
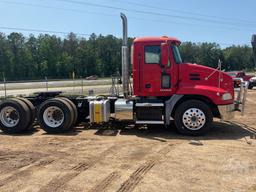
(155, 39)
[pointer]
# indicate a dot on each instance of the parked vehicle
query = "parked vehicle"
(164, 89)
(93, 77)
(236, 75)
(252, 82)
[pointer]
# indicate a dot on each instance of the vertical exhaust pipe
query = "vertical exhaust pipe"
(254, 48)
(125, 60)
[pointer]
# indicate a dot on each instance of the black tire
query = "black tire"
(32, 112)
(199, 108)
(73, 106)
(23, 112)
(67, 111)
(250, 86)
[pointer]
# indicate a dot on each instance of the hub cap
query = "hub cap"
(194, 119)
(53, 116)
(9, 116)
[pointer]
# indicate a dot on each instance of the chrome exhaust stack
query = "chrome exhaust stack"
(125, 60)
(254, 48)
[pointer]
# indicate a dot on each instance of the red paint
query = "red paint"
(208, 88)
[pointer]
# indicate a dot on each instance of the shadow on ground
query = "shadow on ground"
(29, 132)
(219, 130)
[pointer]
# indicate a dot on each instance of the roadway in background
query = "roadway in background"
(69, 86)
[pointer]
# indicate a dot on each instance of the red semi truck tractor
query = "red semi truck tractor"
(164, 90)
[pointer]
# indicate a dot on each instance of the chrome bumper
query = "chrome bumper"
(227, 112)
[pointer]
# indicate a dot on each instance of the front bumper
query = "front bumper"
(227, 112)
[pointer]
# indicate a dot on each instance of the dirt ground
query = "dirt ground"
(125, 158)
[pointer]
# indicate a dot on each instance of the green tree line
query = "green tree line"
(35, 57)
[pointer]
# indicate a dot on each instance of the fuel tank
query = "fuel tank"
(99, 111)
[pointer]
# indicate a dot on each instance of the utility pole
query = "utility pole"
(46, 83)
(82, 85)
(5, 91)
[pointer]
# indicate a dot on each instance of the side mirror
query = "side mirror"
(164, 54)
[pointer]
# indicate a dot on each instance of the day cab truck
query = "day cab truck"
(163, 90)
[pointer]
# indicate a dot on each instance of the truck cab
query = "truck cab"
(151, 75)
(168, 89)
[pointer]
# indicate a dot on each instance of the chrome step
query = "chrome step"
(150, 122)
(149, 105)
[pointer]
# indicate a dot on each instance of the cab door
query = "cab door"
(155, 78)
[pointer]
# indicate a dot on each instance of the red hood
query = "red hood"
(208, 75)
(199, 76)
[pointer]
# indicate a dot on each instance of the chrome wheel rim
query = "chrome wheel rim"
(9, 116)
(53, 116)
(194, 119)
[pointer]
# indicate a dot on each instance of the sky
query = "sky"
(225, 22)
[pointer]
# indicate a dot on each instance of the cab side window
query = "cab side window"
(152, 54)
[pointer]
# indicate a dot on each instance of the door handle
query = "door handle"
(148, 86)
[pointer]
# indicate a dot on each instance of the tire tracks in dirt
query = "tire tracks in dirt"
(248, 128)
(36, 165)
(57, 183)
(113, 176)
(138, 175)
(26, 172)
(105, 183)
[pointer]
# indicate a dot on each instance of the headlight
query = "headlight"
(226, 96)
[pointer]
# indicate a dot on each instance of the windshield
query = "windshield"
(176, 54)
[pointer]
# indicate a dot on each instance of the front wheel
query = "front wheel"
(193, 117)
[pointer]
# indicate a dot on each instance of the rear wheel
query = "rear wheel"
(193, 117)
(32, 111)
(55, 116)
(73, 106)
(14, 116)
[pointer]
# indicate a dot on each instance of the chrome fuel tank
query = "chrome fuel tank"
(124, 109)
